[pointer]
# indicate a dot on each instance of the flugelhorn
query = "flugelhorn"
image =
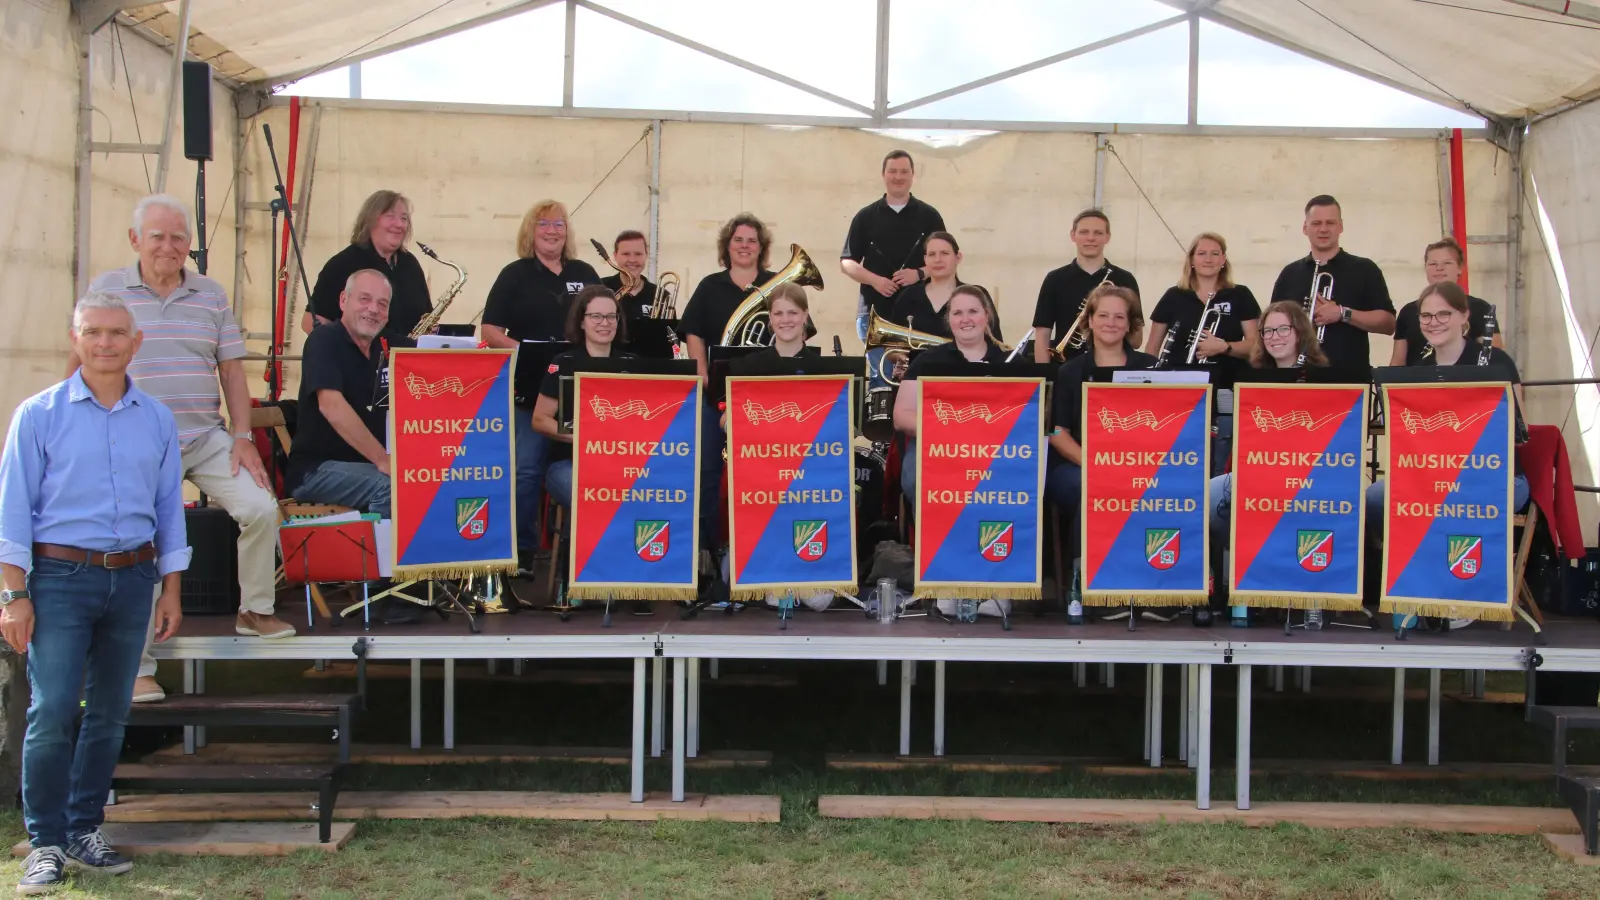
(431, 321)
(747, 327)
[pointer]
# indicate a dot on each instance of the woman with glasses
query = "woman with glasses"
(529, 301)
(1441, 262)
(594, 328)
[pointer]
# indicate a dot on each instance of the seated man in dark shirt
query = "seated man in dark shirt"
(339, 453)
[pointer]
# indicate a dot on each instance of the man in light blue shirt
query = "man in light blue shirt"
(91, 517)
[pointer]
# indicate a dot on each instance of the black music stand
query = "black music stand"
(533, 363)
(456, 329)
(653, 338)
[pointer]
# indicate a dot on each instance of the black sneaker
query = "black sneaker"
(43, 872)
(643, 608)
(395, 611)
(90, 853)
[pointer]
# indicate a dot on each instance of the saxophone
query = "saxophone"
(431, 321)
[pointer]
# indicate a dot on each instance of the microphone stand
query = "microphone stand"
(280, 325)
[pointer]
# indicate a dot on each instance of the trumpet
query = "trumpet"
(747, 327)
(431, 321)
(665, 304)
(1210, 318)
(1321, 289)
(897, 342)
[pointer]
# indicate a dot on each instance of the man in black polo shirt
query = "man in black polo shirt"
(1442, 260)
(338, 455)
(883, 250)
(1063, 290)
(1360, 303)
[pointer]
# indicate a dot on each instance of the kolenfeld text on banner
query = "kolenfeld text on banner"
(791, 473)
(1447, 503)
(980, 475)
(451, 476)
(635, 478)
(1146, 455)
(1296, 519)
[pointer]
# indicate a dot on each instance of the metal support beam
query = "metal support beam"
(1576, 9)
(1194, 70)
(570, 53)
(880, 71)
(905, 707)
(180, 50)
(450, 703)
(1517, 339)
(1100, 171)
(1037, 64)
(658, 705)
(83, 174)
(1241, 754)
(1156, 676)
(1433, 717)
(708, 51)
(679, 742)
(416, 704)
(1202, 737)
(1397, 727)
(94, 15)
(1445, 198)
(938, 707)
(115, 147)
(655, 205)
(636, 757)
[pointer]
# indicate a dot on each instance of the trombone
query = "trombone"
(665, 304)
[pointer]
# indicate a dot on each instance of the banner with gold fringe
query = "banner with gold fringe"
(1295, 495)
(1447, 501)
(791, 477)
(635, 480)
(1146, 456)
(453, 453)
(980, 477)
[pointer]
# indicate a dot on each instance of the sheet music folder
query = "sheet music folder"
(342, 551)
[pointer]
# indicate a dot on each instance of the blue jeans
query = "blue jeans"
(712, 440)
(88, 633)
(1374, 500)
(1063, 486)
(558, 482)
(908, 472)
(531, 448)
(358, 485)
(1221, 507)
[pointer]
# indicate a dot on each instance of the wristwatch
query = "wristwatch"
(245, 436)
(8, 596)
(1344, 314)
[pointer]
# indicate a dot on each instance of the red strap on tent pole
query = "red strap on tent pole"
(1458, 200)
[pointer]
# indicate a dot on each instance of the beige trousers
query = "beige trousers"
(208, 464)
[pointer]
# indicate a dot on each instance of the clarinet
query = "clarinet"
(1486, 341)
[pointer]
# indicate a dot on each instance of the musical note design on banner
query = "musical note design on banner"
(756, 414)
(605, 409)
(1144, 418)
(947, 413)
(420, 387)
(1298, 419)
(1414, 422)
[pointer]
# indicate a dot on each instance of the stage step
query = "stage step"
(449, 805)
(1026, 765)
(260, 710)
(182, 779)
(1560, 720)
(401, 755)
(475, 671)
(1582, 796)
(217, 838)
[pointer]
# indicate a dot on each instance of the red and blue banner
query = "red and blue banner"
(791, 477)
(635, 480)
(980, 477)
(1146, 456)
(451, 475)
(1296, 521)
(1447, 501)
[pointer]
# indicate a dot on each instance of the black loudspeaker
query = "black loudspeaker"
(211, 584)
(197, 110)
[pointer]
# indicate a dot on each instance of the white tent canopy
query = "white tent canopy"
(1505, 59)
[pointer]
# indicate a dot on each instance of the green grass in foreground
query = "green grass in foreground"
(810, 858)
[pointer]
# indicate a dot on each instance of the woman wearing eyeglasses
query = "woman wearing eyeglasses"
(594, 328)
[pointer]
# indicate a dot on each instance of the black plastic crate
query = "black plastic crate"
(211, 583)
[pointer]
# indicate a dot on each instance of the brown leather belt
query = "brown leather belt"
(116, 559)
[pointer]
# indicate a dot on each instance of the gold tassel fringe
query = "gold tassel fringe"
(452, 571)
(683, 593)
(746, 593)
(1111, 598)
(1448, 610)
(977, 592)
(1293, 601)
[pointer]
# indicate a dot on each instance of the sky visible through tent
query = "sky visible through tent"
(934, 45)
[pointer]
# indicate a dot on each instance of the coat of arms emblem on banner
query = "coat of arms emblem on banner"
(472, 517)
(1316, 549)
(1465, 555)
(1161, 547)
(995, 540)
(810, 539)
(651, 538)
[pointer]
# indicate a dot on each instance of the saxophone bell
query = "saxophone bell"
(430, 322)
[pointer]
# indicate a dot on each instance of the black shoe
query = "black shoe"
(44, 872)
(395, 611)
(643, 608)
(90, 853)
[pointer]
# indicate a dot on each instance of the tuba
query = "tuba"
(431, 321)
(747, 327)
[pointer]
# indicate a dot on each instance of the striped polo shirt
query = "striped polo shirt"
(186, 334)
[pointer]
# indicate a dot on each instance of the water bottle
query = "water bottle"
(1314, 619)
(1240, 616)
(966, 610)
(887, 600)
(1075, 596)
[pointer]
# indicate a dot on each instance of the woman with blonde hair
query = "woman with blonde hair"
(530, 301)
(377, 241)
(1205, 285)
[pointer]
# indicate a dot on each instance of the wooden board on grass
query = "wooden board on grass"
(1464, 819)
(444, 805)
(1034, 765)
(217, 838)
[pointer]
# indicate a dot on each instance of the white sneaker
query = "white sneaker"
(1460, 623)
(147, 690)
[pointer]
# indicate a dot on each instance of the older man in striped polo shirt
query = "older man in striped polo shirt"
(192, 347)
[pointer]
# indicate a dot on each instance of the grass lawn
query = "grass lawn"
(839, 708)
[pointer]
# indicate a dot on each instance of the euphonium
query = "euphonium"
(431, 321)
(747, 327)
(898, 341)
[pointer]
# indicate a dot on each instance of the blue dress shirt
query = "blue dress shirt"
(78, 474)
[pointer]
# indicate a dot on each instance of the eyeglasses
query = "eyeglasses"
(601, 318)
(1277, 331)
(552, 223)
(1436, 317)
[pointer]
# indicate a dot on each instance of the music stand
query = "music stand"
(344, 551)
(652, 338)
(718, 359)
(533, 363)
(456, 329)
